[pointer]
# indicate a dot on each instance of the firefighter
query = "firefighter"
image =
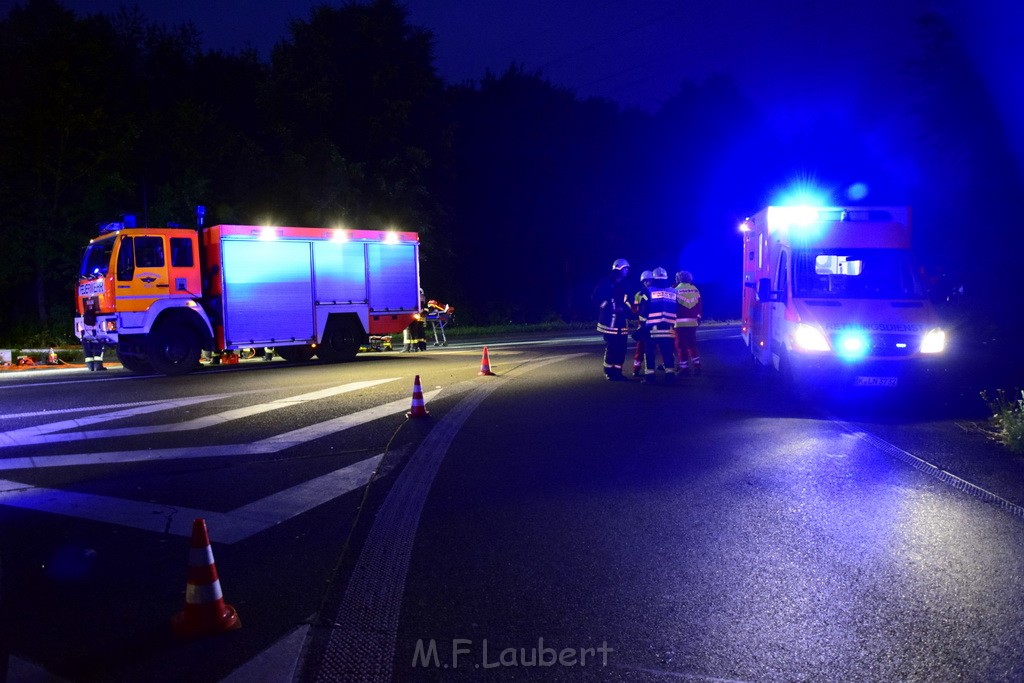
(93, 354)
(613, 315)
(688, 316)
(414, 337)
(658, 317)
(646, 278)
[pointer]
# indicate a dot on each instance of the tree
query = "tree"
(63, 139)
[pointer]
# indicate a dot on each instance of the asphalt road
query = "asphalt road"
(539, 522)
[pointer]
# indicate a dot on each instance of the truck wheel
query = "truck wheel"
(341, 341)
(295, 354)
(133, 363)
(174, 351)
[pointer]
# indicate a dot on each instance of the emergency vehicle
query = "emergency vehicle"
(831, 297)
(162, 296)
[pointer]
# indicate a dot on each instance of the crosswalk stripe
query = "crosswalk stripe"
(45, 433)
(272, 445)
(228, 527)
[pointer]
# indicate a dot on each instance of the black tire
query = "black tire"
(174, 350)
(341, 341)
(295, 354)
(133, 363)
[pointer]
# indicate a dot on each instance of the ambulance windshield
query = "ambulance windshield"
(96, 262)
(855, 274)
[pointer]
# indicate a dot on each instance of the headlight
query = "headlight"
(934, 341)
(808, 338)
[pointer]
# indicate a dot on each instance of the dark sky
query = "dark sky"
(795, 52)
(634, 52)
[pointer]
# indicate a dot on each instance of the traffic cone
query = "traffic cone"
(205, 612)
(418, 409)
(485, 364)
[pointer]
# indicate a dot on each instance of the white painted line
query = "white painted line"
(78, 409)
(277, 663)
(226, 527)
(28, 435)
(271, 445)
(316, 431)
(146, 516)
(44, 433)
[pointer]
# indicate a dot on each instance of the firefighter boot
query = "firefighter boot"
(99, 366)
(91, 364)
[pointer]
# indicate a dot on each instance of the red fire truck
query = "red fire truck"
(161, 296)
(831, 297)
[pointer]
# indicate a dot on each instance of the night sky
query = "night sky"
(786, 53)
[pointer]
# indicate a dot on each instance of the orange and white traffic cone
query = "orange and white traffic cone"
(205, 612)
(485, 364)
(418, 408)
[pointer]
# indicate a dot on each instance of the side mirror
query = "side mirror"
(764, 290)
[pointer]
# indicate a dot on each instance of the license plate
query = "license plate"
(874, 382)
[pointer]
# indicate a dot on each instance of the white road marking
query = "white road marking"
(226, 527)
(78, 409)
(271, 445)
(45, 433)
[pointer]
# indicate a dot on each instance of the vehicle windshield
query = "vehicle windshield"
(96, 261)
(855, 274)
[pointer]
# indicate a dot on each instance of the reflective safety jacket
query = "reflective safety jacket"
(614, 310)
(690, 309)
(658, 311)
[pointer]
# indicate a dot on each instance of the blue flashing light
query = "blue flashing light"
(798, 221)
(852, 346)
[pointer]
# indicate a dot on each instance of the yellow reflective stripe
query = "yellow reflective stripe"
(201, 595)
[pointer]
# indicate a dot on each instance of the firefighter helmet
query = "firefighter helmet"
(660, 274)
(646, 275)
(620, 264)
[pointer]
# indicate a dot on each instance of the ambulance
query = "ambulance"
(831, 298)
(162, 295)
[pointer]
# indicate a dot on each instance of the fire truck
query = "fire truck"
(162, 296)
(831, 297)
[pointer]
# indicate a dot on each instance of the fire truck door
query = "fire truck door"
(142, 275)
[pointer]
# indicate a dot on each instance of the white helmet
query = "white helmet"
(646, 275)
(620, 264)
(660, 274)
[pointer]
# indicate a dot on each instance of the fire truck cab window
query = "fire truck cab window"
(181, 252)
(149, 252)
(126, 260)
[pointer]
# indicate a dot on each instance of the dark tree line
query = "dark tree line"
(522, 192)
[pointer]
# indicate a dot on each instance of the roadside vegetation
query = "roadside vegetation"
(1007, 422)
